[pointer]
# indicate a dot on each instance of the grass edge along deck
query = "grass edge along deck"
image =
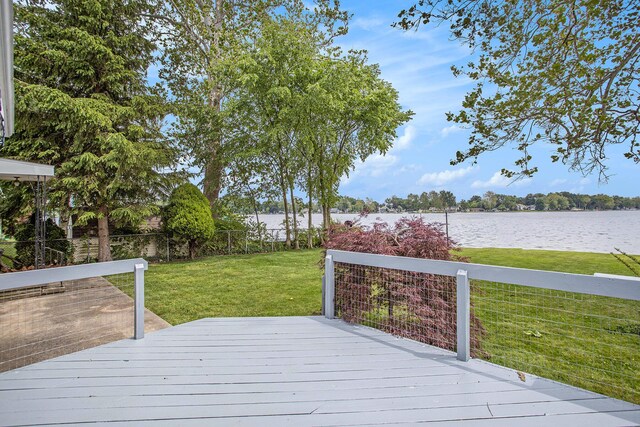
(294, 371)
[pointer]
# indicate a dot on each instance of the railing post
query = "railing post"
(323, 292)
(139, 301)
(463, 304)
(329, 288)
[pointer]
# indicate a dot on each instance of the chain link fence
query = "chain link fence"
(155, 247)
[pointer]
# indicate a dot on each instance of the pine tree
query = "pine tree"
(83, 105)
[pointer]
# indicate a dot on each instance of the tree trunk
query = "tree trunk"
(287, 230)
(295, 218)
(255, 210)
(66, 222)
(192, 249)
(214, 167)
(104, 248)
(309, 219)
(213, 180)
(326, 216)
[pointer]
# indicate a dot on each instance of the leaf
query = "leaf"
(521, 376)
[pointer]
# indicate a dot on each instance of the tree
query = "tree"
(353, 114)
(602, 202)
(564, 72)
(413, 305)
(557, 202)
(447, 198)
(83, 105)
(308, 110)
(202, 35)
(187, 216)
(489, 200)
(475, 202)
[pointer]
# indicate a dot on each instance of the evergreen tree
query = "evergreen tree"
(83, 105)
(188, 217)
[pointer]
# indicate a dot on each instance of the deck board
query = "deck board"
(297, 371)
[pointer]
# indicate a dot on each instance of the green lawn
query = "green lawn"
(289, 283)
(274, 284)
(587, 341)
(567, 262)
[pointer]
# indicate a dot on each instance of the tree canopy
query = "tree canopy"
(299, 115)
(563, 72)
(199, 37)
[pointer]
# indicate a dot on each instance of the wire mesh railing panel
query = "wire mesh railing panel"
(583, 340)
(418, 306)
(41, 322)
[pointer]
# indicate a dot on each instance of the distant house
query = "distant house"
(522, 207)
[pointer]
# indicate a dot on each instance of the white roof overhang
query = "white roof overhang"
(12, 170)
(6, 65)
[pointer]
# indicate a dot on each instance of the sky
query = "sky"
(417, 64)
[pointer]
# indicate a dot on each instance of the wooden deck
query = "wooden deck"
(297, 371)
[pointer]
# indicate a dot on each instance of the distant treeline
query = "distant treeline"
(489, 201)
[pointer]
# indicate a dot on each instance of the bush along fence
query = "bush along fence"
(155, 247)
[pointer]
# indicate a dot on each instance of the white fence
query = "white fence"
(19, 288)
(600, 285)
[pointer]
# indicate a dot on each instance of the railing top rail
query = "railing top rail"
(580, 283)
(24, 279)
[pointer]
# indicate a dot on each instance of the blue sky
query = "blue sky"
(418, 65)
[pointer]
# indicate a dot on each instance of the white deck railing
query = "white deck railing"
(601, 285)
(23, 279)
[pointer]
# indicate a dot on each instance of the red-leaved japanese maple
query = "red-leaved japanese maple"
(414, 305)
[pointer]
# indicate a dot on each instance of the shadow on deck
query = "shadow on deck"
(297, 371)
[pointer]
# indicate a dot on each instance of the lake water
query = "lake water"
(592, 231)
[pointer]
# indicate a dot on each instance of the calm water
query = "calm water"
(570, 231)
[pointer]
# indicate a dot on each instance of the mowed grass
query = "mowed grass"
(586, 341)
(275, 284)
(567, 262)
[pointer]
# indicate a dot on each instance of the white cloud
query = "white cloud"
(406, 139)
(378, 164)
(371, 23)
(584, 181)
(557, 182)
(501, 181)
(375, 166)
(444, 177)
(450, 130)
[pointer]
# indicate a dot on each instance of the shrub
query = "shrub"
(414, 305)
(188, 217)
(25, 247)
